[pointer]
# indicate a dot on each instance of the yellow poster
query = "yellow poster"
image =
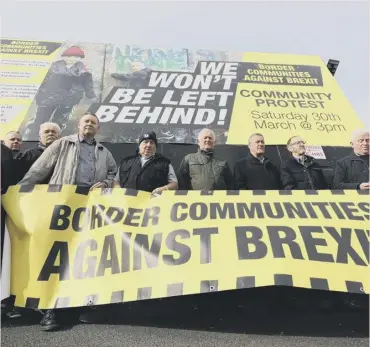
(24, 65)
(118, 245)
(282, 95)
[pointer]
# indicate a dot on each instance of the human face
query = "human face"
(13, 141)
(206, 141)
(361, 144)
(88, 126)
(137, 66)
(147, 148)
(48, 134)
(71, 60)
(297, 146)
(257, 146)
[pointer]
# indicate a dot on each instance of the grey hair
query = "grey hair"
(207, 130)
(50, 124)
(255, 134)
(357, 133)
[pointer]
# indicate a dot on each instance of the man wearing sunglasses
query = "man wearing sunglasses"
(301, 171)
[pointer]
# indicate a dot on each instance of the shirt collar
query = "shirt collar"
(90, 142)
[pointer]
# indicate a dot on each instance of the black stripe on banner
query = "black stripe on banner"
(26, 188)
(55, 188)
(283, 280)
(311, 192)
(106, 191)
(144, 293)
(181, 192)
(131, 192)
(245, 282)
(117, 296)
(82, 190)
(208, 286)
(285, 192)
(62, 302)
(206, 192)
(32, 302)
(91, 300)
(319, 283)
(259, 192)
(355, 287)
(233, 192)
(11, 300)
(363, 192)
(175, 289)
(338, 192)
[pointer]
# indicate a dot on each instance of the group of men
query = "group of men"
(81, 160)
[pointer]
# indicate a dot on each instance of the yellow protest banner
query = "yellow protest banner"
(24, 65)
(281, 95)
(71, 248)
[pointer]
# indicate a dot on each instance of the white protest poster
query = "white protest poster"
(315, 151)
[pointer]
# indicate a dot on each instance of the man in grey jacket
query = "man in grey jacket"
(76, 159)
(79, 160)
(203, 170)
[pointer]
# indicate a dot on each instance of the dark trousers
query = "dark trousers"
(59, 114)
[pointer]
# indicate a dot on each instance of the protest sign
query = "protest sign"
(75, 248)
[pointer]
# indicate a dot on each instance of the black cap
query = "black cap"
(151, 135)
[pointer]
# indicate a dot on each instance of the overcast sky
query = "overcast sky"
(338, 30)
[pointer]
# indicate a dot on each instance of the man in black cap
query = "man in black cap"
(147, 170)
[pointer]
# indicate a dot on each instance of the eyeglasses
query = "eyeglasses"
(298, 143)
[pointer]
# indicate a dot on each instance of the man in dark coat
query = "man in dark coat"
(63, 87)
(352, 172)
(255, 171)
(49, 132)
(147, 170)
(301, 171)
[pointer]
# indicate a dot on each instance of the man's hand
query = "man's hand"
(99, 185)
(158, 190)
(365, 186)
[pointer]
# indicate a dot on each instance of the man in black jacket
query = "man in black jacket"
(301, 171)
(256, 171)
(49, 132)
(352, 172)
(13, 140)
(147, 170)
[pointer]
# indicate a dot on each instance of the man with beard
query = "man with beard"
(352, 172)
(301, 171)
(62, 89)
(74, 160)
(49, 132)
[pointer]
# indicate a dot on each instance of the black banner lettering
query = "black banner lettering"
(205, 243)
(277, 241)
(311, 243)
(109, 247)
(181, 248)
(243, 243)
(60, 214)
(141, 245)
(59, 248)
(80, 260)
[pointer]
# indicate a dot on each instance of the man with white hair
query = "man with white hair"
(204, 171)
(352, 172)
(49, 132)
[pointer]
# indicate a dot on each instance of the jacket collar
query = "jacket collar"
(308, 161)
(355, 156)
(256, 160)
(206, 153)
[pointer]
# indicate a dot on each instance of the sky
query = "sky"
(337, 30)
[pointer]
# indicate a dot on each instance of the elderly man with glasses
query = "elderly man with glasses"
(301, 171)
